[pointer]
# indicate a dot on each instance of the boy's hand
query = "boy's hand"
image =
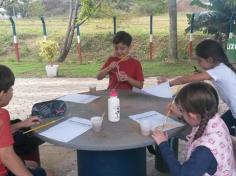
(112, 65)
(159, 136)
(122, 76)
(34, 120)
(161, 79)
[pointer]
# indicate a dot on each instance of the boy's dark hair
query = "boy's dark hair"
(211, 48)
(200, 98)
(122, 37)
(7, 78)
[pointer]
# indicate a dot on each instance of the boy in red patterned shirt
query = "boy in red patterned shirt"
(125, 72)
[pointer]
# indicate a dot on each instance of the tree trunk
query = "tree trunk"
(74, 6)
(173, 30)
(2, 3)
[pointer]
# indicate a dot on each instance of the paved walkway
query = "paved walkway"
(29, 91)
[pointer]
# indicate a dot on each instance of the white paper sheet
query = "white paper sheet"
(68, 130)
(157, 120)
(79, 98)
(160, 90)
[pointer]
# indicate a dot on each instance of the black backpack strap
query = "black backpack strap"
(151, 149)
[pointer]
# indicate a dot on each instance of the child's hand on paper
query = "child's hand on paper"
(34, 120)
(161, 79)
(159, 136)
(122, 76)
(173, 110)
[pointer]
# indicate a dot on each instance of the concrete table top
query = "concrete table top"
(121, 135)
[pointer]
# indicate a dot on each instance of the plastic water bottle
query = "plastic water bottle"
(113, 107)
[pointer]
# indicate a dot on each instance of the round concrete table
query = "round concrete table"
(118, 149)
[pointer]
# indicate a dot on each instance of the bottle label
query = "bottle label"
(117, 112)
(113, 109)
(114, 113)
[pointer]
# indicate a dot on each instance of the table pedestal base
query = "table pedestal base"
(112, 163)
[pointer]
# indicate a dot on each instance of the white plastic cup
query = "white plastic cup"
(96, 123)
(92, 88)
(145, 127)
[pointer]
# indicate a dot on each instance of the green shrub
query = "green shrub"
(48, 50)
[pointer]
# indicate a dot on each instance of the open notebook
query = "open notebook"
(157, 120)
(68, 129)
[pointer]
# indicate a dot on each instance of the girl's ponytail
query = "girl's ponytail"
(202, 127)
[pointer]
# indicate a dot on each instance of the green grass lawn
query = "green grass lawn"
(150, 68)
(96, 42)
(57, 26)
(96, 34)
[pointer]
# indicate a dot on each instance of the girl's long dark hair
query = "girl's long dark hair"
(211, 48)
(199, 98)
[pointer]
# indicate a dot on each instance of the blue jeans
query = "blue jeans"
(230, 122)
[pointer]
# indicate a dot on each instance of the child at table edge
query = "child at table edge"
(10, 163)
(125, 72)
(209, 146)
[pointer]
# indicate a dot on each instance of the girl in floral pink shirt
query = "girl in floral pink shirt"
(209, 147)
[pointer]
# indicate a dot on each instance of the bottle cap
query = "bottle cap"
(113, 93)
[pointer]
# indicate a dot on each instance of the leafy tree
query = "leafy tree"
(1, 3)
(35, 9)
(5, 3)
(56, 7)
(136, 7)
(15, 7)
(25, 8)
(8, 5)
(152, 7)
(216, 19)
(86, 7)
(231, 3)
(121, 4)
(110, 8)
